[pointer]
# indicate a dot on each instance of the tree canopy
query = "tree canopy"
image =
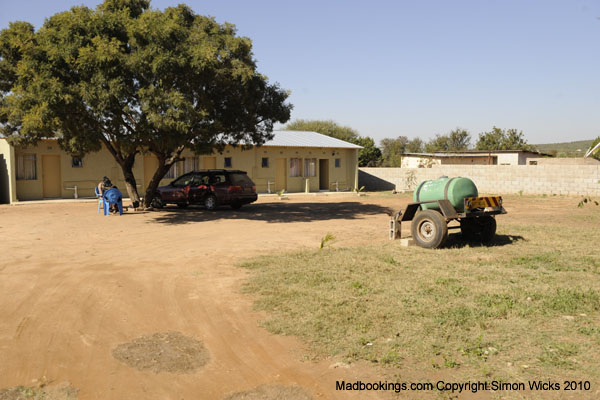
(135, 79)
(457, 140)
(329, 128)
(501, 139)
(392, 150)
(369, 155)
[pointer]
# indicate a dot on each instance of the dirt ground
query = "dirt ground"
(74, 285)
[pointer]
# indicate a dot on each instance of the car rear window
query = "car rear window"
(240, 179)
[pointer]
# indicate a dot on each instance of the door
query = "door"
(323, 174)
(198, 188)
(210, 162)
(51, 176)
(280, 174)
(150, 166)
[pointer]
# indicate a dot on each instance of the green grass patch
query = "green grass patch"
(478, 311)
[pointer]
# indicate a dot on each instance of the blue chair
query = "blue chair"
(100, 199)
(113, 196)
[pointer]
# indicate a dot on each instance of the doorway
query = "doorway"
(51, 187)
(280, 174)
(323, 174)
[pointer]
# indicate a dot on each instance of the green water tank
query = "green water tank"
(452, 189)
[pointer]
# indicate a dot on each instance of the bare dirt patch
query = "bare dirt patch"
(272, 392)
(163, 352)
(63, 391)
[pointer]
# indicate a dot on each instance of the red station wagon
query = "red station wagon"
(210, 188)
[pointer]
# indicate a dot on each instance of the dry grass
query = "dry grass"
(526, 307)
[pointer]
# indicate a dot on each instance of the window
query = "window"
(228, 162)
(265, 162)
(26, 167)
(76, 162)
(295, 167)
(183, 181)
(172, 172)
(338, 162)
(215, 179)
(310, 167)
(190, 164)
(532, 162)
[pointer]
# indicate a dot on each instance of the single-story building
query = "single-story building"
(472, 157)
(291, 161)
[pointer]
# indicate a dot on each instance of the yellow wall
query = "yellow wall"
(95, 167)
(8, 185)
(99, 164)
(251, 162)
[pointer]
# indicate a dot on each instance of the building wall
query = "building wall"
(418, 162)
(100, 164)
(95, 166)
(501, 179)
(8, 191)
(468, 160)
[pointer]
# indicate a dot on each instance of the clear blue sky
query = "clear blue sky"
(417, 68)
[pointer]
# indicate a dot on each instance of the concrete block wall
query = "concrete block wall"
(501, 179)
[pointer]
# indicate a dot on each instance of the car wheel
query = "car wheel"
(210, 202)
(429, 229)
(182, 205)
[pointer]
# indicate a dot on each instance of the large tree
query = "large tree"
(369, 155)
(392, 150)
(457, 140)
(415, 145)
(502, 139)
(135, 79)
(329, 128)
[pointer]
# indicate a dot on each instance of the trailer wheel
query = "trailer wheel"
(481, 229)
(429, 229)
(488, 228)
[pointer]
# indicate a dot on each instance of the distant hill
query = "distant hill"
(566, 149)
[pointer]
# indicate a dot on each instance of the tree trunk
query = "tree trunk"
(160, 172)
(165, 161)
(130, 183)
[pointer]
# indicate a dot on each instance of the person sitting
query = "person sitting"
(113, 196)
(104, 184)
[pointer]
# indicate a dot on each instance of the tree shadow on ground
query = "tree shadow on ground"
(272, 212)
(456, 241)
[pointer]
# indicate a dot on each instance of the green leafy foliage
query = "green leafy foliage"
(392, 150)
(329, 128)
(457, 140)
(502, 139)
(135, 79)
(327, 240)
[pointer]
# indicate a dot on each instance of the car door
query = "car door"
(177, 191)
(218, 183)
(198, 188)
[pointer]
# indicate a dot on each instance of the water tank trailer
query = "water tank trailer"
(436, 203)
